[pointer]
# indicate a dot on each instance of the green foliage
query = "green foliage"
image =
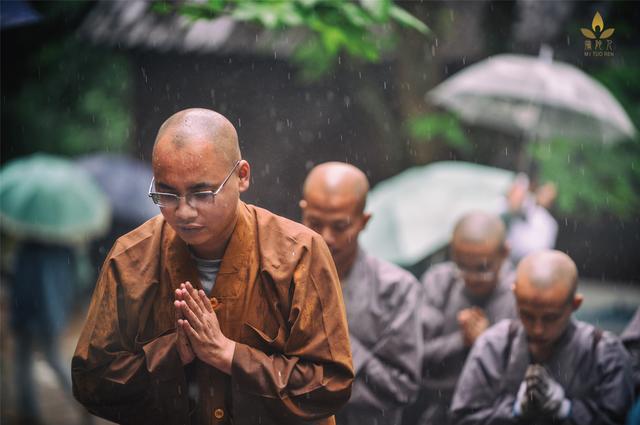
(77, 104)
(336, 26)
(592, 178)
(439, 125)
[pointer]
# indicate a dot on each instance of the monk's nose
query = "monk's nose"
(185, 211)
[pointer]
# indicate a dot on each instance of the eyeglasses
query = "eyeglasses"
(485, 272)
(193, 199)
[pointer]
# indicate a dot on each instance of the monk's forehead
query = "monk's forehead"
(479, 228)
(554, 295)
(334, 199)
(198, 156)
(550, 268)
(193, 129)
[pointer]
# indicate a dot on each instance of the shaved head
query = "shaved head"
(479, 227)
(478, 247)
(198, 125)
(196, 150)
(333, 200)
(545, 290)
(333, 179)
(547, 269)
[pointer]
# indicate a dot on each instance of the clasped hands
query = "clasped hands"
(472, 322)
(540, 396)
(198, 330)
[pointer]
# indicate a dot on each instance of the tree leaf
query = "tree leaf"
(408, 20)
(379, 9)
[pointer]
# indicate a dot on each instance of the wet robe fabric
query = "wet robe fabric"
(594, 372)
(381, 301)
(277, 295)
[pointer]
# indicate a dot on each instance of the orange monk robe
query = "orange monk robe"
(277, 295)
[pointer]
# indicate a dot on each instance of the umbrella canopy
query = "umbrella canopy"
(126, 181)
(413, 213)
(539, 98)
(49, 199)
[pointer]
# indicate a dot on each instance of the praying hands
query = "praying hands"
(198, 330)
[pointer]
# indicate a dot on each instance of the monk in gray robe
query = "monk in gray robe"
(380, 298)
(545, 368)
(462, 299)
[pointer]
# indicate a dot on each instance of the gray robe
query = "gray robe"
(631, 339)
(444, 350)
(381, 300)
(593, 371)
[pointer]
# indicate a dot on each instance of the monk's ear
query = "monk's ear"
(506, 249)
(365, 219)
(577, 301)
(302, 204)
(244, 175)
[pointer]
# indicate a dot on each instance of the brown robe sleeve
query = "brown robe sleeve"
(311, 378)
(113, 367)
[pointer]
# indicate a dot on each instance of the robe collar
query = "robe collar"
(235, 267)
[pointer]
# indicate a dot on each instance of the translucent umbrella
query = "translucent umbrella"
(414, 212)
(535, 97)
(50, 199)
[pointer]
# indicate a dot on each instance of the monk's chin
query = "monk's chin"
(539, 350)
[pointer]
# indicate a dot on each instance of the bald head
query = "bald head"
(548, 269)
(337, 179)
(545, 290)
(478, 228)
(198, 125)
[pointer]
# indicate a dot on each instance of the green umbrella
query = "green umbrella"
(414, 212)
(50, 199)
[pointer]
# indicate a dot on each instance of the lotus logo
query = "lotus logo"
(598, 27)
(602, 45)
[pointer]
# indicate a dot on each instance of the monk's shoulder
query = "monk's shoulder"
(138, 241)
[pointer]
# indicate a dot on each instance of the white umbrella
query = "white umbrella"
(534, 97)
(414, 212)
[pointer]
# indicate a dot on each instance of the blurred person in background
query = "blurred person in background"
(462, 298)
(530, 225)
(41, 294)
(215, 311)
(380, 298)
(545, 367)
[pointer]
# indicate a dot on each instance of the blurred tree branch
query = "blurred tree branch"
(361, 29)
